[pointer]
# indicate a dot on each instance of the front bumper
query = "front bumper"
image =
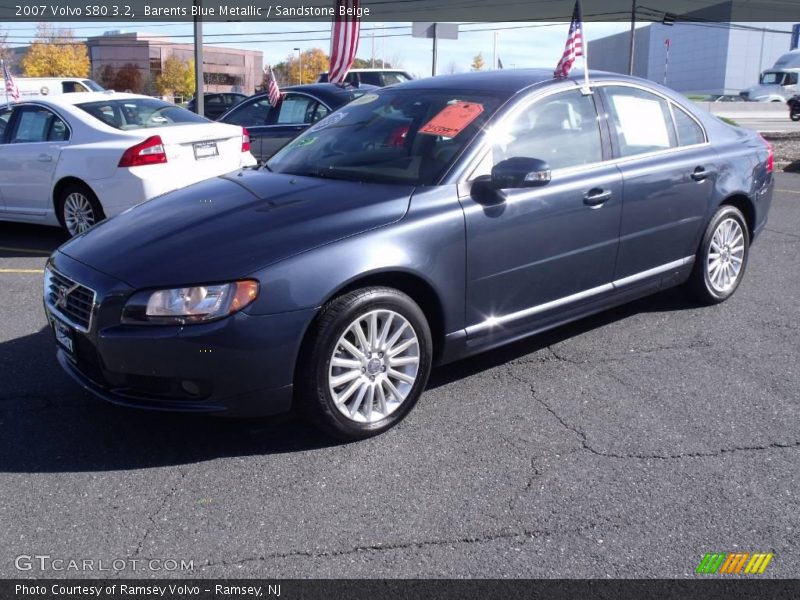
(239, 366)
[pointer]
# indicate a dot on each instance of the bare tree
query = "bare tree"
(452, 67)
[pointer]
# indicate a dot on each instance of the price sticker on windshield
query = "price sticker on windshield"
(453, 119)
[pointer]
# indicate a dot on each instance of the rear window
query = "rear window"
(140, 113)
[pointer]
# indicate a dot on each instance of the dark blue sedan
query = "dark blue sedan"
(271, 127)
(419, 224)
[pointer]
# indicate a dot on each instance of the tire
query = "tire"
(725, 245)
(343, 389)
(78, 209)
(795, 116)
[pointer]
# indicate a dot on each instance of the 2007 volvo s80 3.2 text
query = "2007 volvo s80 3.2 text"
(417, 225)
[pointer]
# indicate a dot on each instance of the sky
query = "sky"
(519, 45)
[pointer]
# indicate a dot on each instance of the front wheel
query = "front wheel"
(367, 364)
(78, 209)
(722, 257)
(795, 116)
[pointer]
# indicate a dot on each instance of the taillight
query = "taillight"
(149, 152)
(770, 156)
(245, 140)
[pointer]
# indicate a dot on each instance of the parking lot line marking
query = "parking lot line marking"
(23, 271)
(788, 191)
(24, 250)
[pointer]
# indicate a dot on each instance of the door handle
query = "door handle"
(45, 158)
(596, 197)
(700, 174)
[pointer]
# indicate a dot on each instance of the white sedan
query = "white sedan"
(76, 159)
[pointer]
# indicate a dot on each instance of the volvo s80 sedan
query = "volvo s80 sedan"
(417, 225)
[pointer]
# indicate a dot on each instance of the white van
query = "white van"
(53, 86)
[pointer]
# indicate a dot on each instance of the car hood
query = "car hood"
(228, 227)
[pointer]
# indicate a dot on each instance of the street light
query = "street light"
(300, 59)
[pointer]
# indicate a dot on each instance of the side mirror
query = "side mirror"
(520, 172)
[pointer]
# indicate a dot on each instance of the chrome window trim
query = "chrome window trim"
(51, 308)
(492, 321)
(475, 157)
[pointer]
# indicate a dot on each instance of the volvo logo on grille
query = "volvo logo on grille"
(62, 295)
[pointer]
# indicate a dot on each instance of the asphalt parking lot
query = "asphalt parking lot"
(624, 445)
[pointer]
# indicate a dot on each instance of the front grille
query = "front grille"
(69, 299)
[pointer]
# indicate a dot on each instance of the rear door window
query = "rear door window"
(640, 120)
(35, 124)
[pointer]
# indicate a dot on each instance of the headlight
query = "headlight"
(197, 304)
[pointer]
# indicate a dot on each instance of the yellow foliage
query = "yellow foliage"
(314, 62)
(55, 53)
(177, 78)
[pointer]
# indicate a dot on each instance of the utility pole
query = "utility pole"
(633, 37)
(300, 60)
(494, 51)
(199, 97)
(435, 49)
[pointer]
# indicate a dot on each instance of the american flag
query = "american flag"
(344, 40)
(11, 87)
(273, 91)
(574, 47)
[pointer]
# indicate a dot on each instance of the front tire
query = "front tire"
(366, 363)
(795, 116)
(78, 209)
(722, 257)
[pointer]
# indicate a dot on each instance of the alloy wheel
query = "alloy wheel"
(78, 213)
(725, 255)
(374, 366)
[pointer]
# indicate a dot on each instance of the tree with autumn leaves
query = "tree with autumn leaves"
(176, 78)
(55, 53)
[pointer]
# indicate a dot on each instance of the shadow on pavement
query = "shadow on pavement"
(20, 239)
(48, 424)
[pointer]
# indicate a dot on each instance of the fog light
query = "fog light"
(190, 387)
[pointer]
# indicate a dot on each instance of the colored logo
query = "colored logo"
(734, 563)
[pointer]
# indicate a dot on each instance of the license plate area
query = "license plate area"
(205, 150)
(64, 336)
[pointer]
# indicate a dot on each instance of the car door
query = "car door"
(537, 249)
(214, 106)
(292, 116)
(667, 181)
(28, 160)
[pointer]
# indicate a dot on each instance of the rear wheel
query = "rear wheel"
(367, 363)
(78, 209)
(722, 257)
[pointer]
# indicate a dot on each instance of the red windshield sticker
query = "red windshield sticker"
(453, 119)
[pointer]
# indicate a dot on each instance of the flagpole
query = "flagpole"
(585, 44)
(5, 81)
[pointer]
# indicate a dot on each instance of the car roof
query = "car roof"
(328, 92)
(81, 97)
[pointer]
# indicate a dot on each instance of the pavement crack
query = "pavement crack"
(383, 547)
(159, 509)
(786, 233)
(586, 446)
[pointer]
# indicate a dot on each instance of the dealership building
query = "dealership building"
(226, 69)
(704, 57)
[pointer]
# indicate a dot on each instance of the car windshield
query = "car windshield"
(390, 136)
(140, 113)
(772, 78)
(92, 85)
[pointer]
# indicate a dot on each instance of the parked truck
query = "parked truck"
(779, 83)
